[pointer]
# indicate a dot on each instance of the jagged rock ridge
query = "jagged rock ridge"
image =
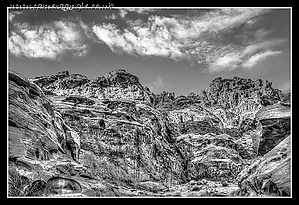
(111, 136)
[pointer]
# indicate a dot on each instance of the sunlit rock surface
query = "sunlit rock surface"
(110, 136)
(269, 175)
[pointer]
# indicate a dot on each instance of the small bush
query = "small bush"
(16, 182)
(21, 186)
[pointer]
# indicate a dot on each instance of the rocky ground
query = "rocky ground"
(70, 136)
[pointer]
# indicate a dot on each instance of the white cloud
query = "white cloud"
(228, 61)
(143, 42)
(110, 35)
(112, 16)
(159, 85)
(194, 38)
(12, 14)
(47, 41)
(181, 37)
(262, 45)
(123, 13)
(253, 60)
(139, 10)
(212, 21)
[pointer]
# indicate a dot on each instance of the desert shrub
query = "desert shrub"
(38, 188)
(16, 182)
(21, 186)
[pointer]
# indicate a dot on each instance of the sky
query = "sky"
(178, 50)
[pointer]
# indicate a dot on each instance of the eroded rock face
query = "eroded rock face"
(111, 136)
(117, 84)
(238, 99)
(276, 124)
(128, 140)
(269, 175)
(36, 131)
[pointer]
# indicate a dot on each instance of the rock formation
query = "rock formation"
(269, 175)
(111, 136)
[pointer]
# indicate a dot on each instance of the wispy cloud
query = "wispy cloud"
(229, 58)
(253, 60)
(194, 39)
(142, 11)
(229, 61)
(159, 85)
(262, 45)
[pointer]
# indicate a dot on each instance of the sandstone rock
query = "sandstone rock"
(286, 99)
(117, 84)
(60, 185)
(164, 100)
(110, 136)
(212, 157)
(235, 100)
(270, 175)
(276, 125)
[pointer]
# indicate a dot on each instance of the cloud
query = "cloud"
(142, 11)
(142, 41)
(123, 13)
(112, 16)
(110, 35)
(231, 57)
(47, 41)
(227, 62)
(12, 14)
(159, 85)
(253, 60)
(262, 46)
(213, 21)
(193, 38)
(197, 38)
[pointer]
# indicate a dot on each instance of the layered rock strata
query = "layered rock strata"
(110, 136)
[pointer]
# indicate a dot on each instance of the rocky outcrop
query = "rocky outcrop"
(164, 100)
(276, 124)
(211, 157)
(36, 131)
(228, 93)
(269, 175)
(117, 84)
(286, 99)
(237, 99)
(110, 136)
(127, 140)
